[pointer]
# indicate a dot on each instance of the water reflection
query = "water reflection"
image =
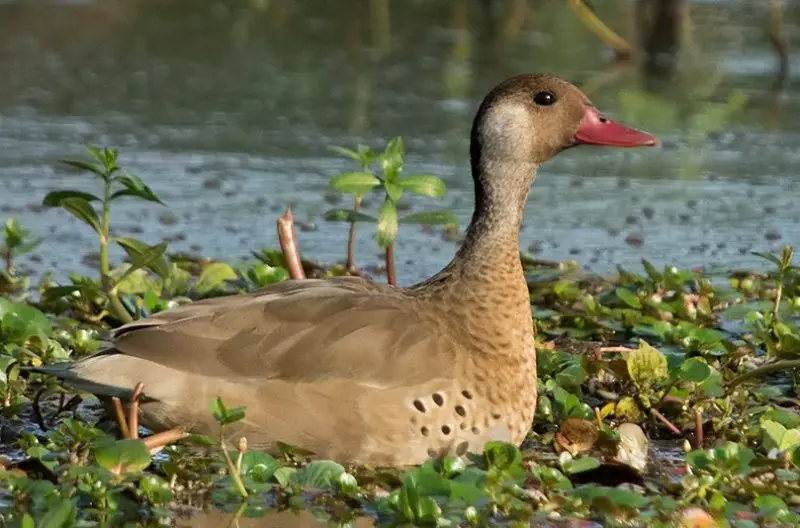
(249, 95)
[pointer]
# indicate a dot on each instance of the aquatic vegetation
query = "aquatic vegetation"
(393, 186)
(706, 365)
(16, 242)
(116, 184)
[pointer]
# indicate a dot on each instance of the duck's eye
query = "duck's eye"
(544, 98)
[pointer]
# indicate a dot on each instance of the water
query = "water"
(227, 110)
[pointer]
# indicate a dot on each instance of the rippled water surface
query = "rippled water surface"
(227, 110)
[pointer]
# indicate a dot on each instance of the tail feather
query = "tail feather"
(68, 376)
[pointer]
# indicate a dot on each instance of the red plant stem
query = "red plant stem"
(164, 438)
(698, 429)
(663, 419)
(391, 274)
(133, 411)
(288, 242)
(122, 420)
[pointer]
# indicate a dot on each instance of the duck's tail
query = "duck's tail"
(71, 376)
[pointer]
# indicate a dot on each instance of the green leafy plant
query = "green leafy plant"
(116, 184)
(16, 242)
(225, 416)
(393, 185)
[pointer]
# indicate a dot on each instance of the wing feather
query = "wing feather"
(297, 331)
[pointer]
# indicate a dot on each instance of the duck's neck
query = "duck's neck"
(489, 257)
(501, 190)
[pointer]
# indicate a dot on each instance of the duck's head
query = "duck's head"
(532, 117)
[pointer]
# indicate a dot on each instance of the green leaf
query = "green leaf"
(787, 254)
(58, 516)
(107, 157)
(84, 166)
(54, 198)
(628, 297)
(652, 271)
(263, 274)
(346, 152)
(501, 455)
(392, 158)
(214, 277)
(348, 215)
(617, 496)
(347, 484)
(144, 256)
(14, 233)
(785, 417)
(223, 414)
(790, 440)
(259, 466)
(577, 465)
(694, 369)
(319, 474)
(284, 475)
(551, 477)
(408, 500)
(82, 210)
(768, 256)
(27, 521)
(712, 386)
(773, 433)
(355, 182)
(156, 489)
(646, 365)
(429, 511)
(776, 436)
(430, 218)
(393, 191)
(770, 505)
(387, 224)
(19, 322)
(134, 186)
(123, 456)
(423, 185)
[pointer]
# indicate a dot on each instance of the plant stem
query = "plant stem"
(698, 429)
(777, 305)
(598, 27)
(663, 419)
(666, 392)
(620, 349)
(391, 274)
(9, 258)
(164, 438)
(237, 478)
(778, 40)
(763, 370)
(117, 309)
(351, 239)
(288, 242)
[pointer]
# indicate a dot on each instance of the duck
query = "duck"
(367, 373)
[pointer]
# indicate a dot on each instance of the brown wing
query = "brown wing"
(297, 331)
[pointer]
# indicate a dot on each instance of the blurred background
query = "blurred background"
(227, 109)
